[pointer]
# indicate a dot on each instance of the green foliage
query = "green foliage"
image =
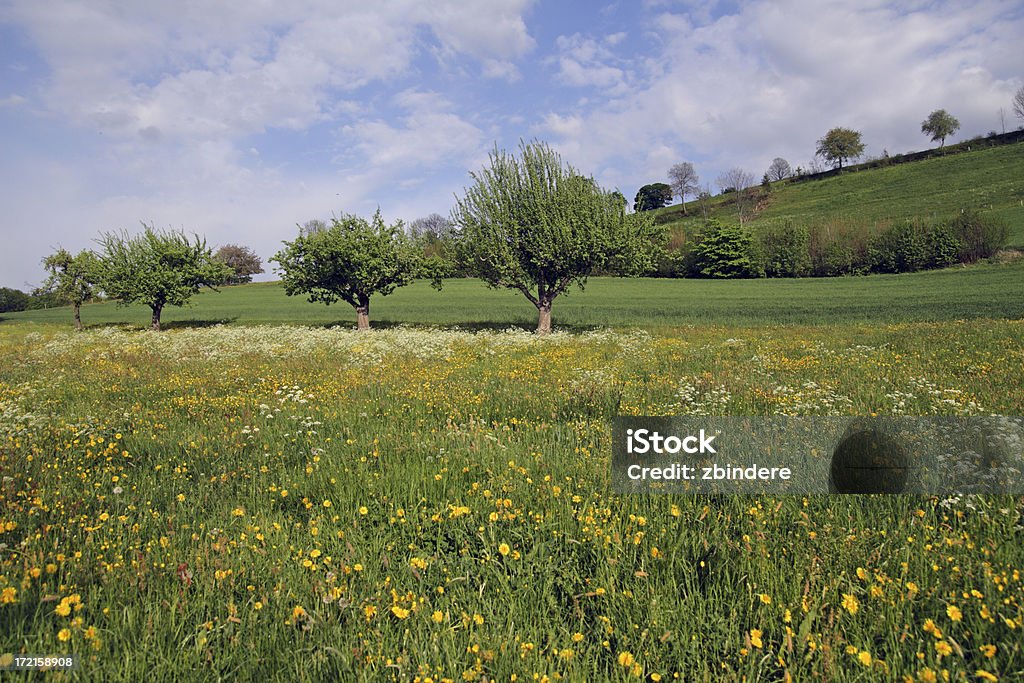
(653, 196)
(981, 236)
(940, 124)
(839, 145)
(351, 260)
(243, 261)
(13, 300)
(72, 279)
(535, 225)
(157, 268)
(901, 248)
(785, 250)
(726, 251)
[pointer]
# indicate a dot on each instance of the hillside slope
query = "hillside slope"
(990, 179)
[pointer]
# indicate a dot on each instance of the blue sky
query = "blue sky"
(237, 124)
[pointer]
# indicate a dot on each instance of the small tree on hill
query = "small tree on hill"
(72, 279)
(157, 268)
(737, 180)
(1018, 103)
(351, 260)
(653, 196)
(243, 261)
(779, 170)
(839, 145)
(684, 181)
(940, 124)
(535, 225)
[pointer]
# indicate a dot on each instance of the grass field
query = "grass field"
(299, 502)
(982, 290)
(989, 180)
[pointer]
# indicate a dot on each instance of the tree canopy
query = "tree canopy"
(243, 261)
(157, 268)
(351, 260)
(534, 224)
(653, 196)
(940, 124)
(72, 279)
(779, 169)
(839, 145)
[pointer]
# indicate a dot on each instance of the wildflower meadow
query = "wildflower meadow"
(419, 504)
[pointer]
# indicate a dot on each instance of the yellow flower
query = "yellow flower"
(943, 648)
(418, 563)
(327, 503)
(577, 637)
(864, 658)
(437, 616)
(298, 612)
(258, 606)
(626, 659)
(63, 609)
(504, 549)
(954, 613)
(238, 512)
(985, 614)
(755, 638)
(850, 603)
(985, 675)
(766, 599)
(861, 574)
(64, 635)
(369, 611)
(284, 493)
(9, 595)
(104, 516)
(399, 612)
(478, 619)
(927, 676)
(315, 553)
(988, 650)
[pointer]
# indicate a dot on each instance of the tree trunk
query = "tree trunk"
(363, 314)
(544, 317)
(156, 317)
(78, 317)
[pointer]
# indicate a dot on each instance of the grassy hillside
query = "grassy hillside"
(979, 291)
(990, 180)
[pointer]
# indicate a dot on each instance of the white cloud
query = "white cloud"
(12, 100)
(772, 78)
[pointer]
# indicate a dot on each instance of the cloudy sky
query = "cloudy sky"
(239, 120)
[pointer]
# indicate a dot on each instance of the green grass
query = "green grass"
(290, 503)
(990, 180)
(982, 290)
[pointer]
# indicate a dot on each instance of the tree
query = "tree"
(72, 278)
(243, 262)
(684, 181)
(12, 300)
(779, 169)
(725, 251)
(1018, 103)
(434, 227)
(839, 145)
(157, 268)
(352, 260)
(535, 225)
(940, 124)
(738, 180)
(653, 196)
(312, 226)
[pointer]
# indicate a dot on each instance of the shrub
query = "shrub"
(726, 251)
(980, 236)
(901, 248)
(12, 300)
(839, 249)
(944, 245)
(785, 250)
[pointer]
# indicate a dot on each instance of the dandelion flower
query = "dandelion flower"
(504, 549)
(626, 659)
(64, 635)
(864, 658)
(850, 603)
(954, 613)
(755, 638)
(943, 649)
(437, 616)
(399, 612)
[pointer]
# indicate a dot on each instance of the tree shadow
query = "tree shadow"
(196, 323)
(472, 327)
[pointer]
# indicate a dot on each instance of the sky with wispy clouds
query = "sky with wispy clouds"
(238, 121)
